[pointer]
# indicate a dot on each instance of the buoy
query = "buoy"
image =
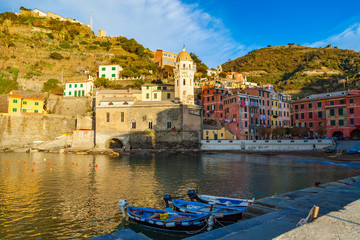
(10, 161)
(32, 170)
(34, 163)
(24, 162)
(27, 168)
(7, 169)
(44, 159)
(96, 165)
(89, 164)
(73, 163)
(55, 164)
(4, 161)
(48, 163)
(18, 161)
(77, 164)
(50, 169)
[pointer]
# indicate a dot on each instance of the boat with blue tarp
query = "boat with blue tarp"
(233, 202)
(167, 220)
(220, 212)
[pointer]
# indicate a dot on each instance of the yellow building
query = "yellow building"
(157, 92)
(19, 104)
(274, 110)
(210, 83)
(218, 134)
(165, 58)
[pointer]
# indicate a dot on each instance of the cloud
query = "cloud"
(157, 24)
(348, 39)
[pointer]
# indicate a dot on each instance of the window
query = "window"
(107, 117)
(341, 122)
(319, 114)
(169, 124)
(245, 115)
(302, 115)
(103, 75)
(341, 111)
(14, 109)
(184, 81)
(150, 125)
(310, 115)
(331, 102)
(310, 105)
(103, 69)
(164, 88)
(81, 85)
(319, 104)
(212, 98)
(113, 68)
(122, 117)
(147, 87)
(155, 95)
(24, 102)
(36, 103)
(83, 93)
(147, 96)
(36, 111)
(245, 123)
(311, 124)
(332, 122)
(342, 101)
(268, 103)
(133, 124)
(296, 107)
(332, 112)
(351, 100)
(75, 85)
(113, 75)
(168, 95)
(351, 121)
(302, 106)
(15, 101)
(24, 110)
(69, 93)
(351, 110)
(75, 92)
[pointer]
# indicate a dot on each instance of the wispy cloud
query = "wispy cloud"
(348, 39)
(157, 24)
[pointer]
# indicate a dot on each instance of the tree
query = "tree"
(320, 130)
(278, 132)
(101, 82)
(200, 66)
(222, 75)
(52, 86)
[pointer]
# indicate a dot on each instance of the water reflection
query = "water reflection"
(79, 200)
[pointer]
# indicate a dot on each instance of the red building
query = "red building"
(337, 112)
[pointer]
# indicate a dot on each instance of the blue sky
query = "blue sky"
(215, 30)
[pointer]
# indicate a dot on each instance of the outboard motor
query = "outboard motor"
(167, 198)
(193, 196)
(123, 205)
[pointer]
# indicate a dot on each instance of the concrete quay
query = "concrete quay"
(338, 216)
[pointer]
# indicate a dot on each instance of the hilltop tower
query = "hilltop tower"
(184, 78)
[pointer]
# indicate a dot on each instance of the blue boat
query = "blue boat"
(233, 202)
(167, 220)
(220, 212)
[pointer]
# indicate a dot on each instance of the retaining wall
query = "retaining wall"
(265, 145)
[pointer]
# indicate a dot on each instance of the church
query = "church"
(173, 122)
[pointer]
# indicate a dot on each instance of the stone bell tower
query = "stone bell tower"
(184, 78)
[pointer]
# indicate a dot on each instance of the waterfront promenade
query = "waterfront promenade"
(338, 216)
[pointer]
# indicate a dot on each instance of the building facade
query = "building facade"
(111, 72)
(79, 89)
(158, 92)
(165, 58)
(336, 113)
(20, 104)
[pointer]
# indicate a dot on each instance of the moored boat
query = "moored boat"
(167, 220)
(220, 212)
(234, 202)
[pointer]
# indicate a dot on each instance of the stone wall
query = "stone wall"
(176, 140)
(69, 106)
(22, 131)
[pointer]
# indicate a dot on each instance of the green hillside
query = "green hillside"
(36, 49)
(300, 70)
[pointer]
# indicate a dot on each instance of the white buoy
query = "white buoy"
(123, 205)
(44, 159)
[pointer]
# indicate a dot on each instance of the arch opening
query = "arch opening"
(355, 134)
(115, 144)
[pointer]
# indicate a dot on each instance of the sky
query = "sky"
(216, 31)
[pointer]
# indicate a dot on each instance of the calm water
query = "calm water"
(79, 202)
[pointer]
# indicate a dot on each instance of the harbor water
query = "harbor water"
(68, 196)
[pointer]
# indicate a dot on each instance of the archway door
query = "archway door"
(355, 134)
(114, 143)
(338, 134)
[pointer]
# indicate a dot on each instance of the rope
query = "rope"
(304, 221)
(197, 231)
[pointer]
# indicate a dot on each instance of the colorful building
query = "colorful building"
(79, 88)
(337, 112)
(111, 72)
(165, 58)
(157, 92)
(28, 103)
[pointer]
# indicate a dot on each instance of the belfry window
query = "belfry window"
(184, 81)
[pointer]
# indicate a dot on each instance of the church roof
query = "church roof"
(183, 56)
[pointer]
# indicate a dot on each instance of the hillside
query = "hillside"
(36, 49)
(300, 70)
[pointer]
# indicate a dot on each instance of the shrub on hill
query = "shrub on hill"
(56, 56)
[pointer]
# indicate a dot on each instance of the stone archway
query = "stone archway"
(338, 134)
(114, 143)
(355, 134)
